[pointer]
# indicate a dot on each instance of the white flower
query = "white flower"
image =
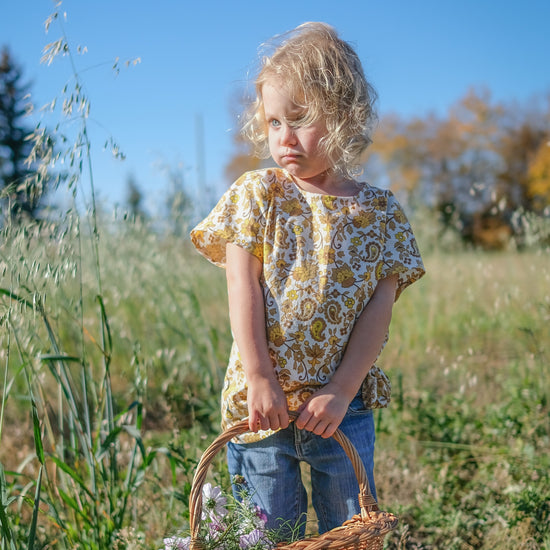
(176, 543)
(213, 502)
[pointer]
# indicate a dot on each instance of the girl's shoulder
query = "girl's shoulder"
(265, 177)
(377, 192)
(377, 197)
(264, 183)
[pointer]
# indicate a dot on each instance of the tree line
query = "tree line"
(477, 166)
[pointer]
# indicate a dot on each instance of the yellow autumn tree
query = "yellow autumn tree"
(398, 144)
(538, 178)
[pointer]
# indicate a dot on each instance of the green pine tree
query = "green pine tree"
(21, 191)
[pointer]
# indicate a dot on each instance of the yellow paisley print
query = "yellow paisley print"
(322, 257)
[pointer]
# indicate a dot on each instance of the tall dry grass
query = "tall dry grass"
(77, 396)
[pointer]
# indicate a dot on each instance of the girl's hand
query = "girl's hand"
(323, 412)
(267, 406)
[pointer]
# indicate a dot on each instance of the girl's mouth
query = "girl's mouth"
(290, 157)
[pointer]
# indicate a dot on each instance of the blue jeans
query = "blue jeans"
(271, 468)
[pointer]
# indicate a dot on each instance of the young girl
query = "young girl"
(315, 260)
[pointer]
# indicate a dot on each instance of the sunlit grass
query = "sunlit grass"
(465, 442)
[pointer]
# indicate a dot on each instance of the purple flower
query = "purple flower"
(215, 529)
(260, 515)
(176, 543)
(251, 539)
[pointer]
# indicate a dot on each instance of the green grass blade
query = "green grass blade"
(39, 447)
(72, 503)
(36, 509)
(7, 533)
(16, 297)
(107, 336)
(72, 474)
(59, 357)
(105, 446)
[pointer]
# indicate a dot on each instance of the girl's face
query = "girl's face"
(292, 146)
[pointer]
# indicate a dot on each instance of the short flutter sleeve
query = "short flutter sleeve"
(401, 254)
(239, 218)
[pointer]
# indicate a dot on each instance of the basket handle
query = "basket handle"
(366, 500)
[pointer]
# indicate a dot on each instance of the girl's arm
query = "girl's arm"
(267, 406)
(325, 409)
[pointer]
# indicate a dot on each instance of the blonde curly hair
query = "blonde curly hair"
(324, 76)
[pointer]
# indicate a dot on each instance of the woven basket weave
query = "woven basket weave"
(365, 531)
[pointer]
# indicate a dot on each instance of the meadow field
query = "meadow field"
(113, 344)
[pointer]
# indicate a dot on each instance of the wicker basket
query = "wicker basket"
(365, 531)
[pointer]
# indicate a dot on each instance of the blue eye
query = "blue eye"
(274, 123)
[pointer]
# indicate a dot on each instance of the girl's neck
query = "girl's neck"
(328, 183)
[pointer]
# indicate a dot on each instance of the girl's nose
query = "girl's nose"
(288, 135)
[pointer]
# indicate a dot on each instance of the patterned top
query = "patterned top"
(322, 256)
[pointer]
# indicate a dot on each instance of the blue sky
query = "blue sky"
(421, 56)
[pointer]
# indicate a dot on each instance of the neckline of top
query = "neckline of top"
(361, 186)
